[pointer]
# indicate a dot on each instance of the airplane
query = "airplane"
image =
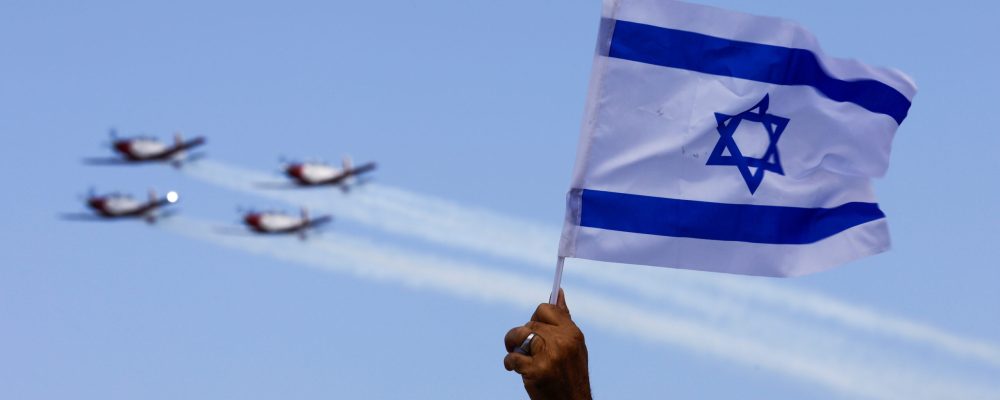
(275, 223)
(118, 206)
(322, 174)
(141, 149)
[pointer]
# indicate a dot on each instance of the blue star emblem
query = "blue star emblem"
(774, 125)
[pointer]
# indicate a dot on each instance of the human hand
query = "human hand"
(555, 366)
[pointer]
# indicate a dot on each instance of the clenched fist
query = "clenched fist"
(553, 364)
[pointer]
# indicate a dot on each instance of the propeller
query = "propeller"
(91, 193)
(285, 162)
(242, 212)
(112, 138)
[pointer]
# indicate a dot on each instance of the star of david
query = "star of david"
(727, 152)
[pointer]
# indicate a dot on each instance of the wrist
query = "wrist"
(568, 389)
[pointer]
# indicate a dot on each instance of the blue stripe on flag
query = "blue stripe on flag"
(720, 221)
(753, 61)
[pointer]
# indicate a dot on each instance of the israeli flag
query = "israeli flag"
(720, 141)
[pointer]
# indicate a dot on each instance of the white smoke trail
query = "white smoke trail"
(850, 368)
(444, 222)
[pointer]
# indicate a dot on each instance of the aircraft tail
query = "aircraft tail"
(318, 221)
(354, 177)
(177, 160)
(198, 141)
(306, 224)
(367, 167)
(312, 223)
(182, 154)
(347, 163)
(182, 147)
(155, 200)
(150, 212)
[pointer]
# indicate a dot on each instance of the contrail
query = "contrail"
(851, 368)
(451, 224)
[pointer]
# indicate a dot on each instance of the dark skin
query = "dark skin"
(556, 368)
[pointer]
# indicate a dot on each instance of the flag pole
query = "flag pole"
(554, 297)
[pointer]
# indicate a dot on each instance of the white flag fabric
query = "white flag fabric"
(720, 141)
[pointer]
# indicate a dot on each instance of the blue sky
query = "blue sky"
(472, 110)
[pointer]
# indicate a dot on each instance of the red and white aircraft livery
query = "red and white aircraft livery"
(145, 149)
(118, 206)
(270, 222)
(321, 174)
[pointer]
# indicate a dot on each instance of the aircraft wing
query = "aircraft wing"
(167, 213)
(105, 161)
(233, 231)
(335, 180)
(195, 157)
(82, 217)
(277, 185)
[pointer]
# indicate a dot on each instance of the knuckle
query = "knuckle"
(538, 345)
(539, 311)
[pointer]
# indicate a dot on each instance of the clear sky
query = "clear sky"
(472, 110)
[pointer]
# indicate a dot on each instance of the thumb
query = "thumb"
(561, 301)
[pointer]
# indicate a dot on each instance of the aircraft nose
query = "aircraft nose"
(252, 219)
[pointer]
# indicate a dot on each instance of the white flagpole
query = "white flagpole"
(554, 297)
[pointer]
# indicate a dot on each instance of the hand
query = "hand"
(556, 366)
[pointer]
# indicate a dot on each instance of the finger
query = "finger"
(519, 335)
(516, 362)
(515, 337)
(537, 344)
(550, 314)
(561, 302)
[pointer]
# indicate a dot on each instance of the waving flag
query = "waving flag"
(721, 141)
